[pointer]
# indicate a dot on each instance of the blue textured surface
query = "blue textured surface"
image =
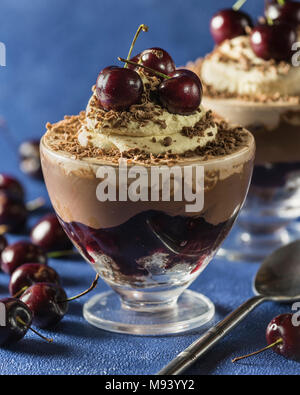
(54, 52)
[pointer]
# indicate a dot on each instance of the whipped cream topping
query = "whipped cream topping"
(147, 127)
(234, 68)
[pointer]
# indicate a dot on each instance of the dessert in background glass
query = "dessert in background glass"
(263, 95)
(147, 250)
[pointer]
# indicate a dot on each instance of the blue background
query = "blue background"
(55, 49)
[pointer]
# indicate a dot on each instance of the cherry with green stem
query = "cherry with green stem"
(230, 23)
(119, 88)
(283, 337)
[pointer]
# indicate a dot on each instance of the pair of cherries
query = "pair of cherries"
(42, 302)
(272, 40)
(180, 91)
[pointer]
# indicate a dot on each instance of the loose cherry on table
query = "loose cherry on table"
(11, 186)
(49, 234)
(29, 274)
(15, 255)
(273, 41)
(283, 11)
(282, 337)
(49, 302)
(230, 23)
(18, 320)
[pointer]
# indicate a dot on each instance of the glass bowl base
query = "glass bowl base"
(191, 311)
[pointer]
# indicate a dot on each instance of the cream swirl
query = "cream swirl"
(159, 134)
(234, 68)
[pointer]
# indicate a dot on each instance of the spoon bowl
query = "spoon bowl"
(278, 278)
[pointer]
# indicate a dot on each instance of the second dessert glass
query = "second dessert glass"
(273, 201)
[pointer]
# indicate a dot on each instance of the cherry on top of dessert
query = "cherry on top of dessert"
(229, 23)
(181, 94)
(283, 11)
(118, 88)
(155, 58)
(273, 41)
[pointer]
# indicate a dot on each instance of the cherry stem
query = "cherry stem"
(35, 204)
(239, 4)
(20, 292)
(144, 67)
(92, 287)
(60, 254)
(270, 21)
(281, 2)
(279, 341)
(143, 28)
(34, 331)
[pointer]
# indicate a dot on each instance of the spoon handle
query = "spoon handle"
(210, 338)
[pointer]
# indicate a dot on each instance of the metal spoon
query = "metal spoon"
(278, 280)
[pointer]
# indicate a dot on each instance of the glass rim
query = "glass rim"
(249, 150)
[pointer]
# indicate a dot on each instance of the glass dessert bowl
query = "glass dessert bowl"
(264, 97)
(147, 246)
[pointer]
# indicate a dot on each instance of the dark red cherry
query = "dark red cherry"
(16, 317)
(12, 186)
(228, 24)
(273, 41)
(187, 73)
(49, 234)
(15, 255)
(157, 59)
(180, 95)
(288, 12)
(282, 327)
(118, 88)
(29, 274)
(13, 212)
(47, 302)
